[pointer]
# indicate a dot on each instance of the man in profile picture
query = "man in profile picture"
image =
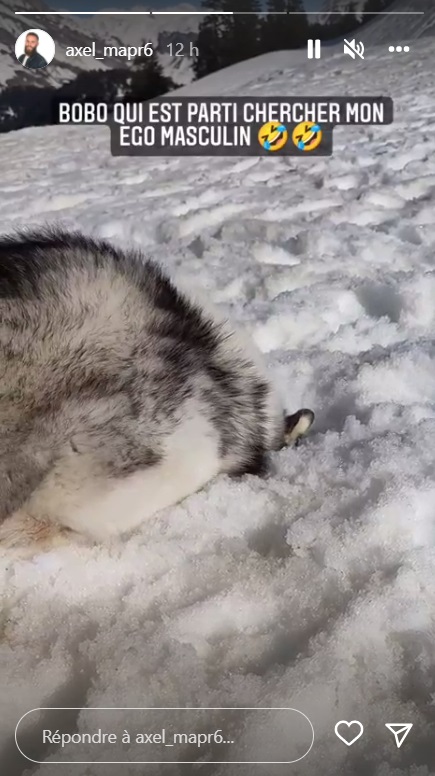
(31, 58)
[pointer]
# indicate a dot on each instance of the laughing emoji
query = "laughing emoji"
(307, 136)
(273, 136)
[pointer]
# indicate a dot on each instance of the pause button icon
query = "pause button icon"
(313, 48)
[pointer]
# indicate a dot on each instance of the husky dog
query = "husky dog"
(118, 395)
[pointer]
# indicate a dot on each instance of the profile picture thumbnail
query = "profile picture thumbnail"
(35, 49)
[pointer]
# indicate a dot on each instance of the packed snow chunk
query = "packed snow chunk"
(419, 295)
(403, 378)
(274, 254)
(307, 323)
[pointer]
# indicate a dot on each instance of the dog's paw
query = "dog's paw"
(22, 535)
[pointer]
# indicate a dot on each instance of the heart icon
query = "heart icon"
(356, 733)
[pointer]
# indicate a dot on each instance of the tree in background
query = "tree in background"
(38, 106)
(147, 80)
(242, 38)
(96, 86)
(25, 106)
(284, 32)
(33, 106)
(224, 40)
(209, 57)
(209, 41)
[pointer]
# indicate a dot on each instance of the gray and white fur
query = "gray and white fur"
(118, 395)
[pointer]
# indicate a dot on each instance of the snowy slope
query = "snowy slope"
(312, 588)
(402, 27)
(392, 27)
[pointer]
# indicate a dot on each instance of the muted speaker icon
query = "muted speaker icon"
(354, 49)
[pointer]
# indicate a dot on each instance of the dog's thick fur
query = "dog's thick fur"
(118, 395)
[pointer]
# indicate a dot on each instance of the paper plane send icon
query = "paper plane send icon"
(399, 730)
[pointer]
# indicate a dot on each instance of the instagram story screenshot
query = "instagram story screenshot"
(217, 387)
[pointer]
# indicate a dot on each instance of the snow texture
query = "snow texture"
(312, 588)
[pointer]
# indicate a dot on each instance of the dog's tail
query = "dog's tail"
(297, 426)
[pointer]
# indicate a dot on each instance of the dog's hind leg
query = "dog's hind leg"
(23, 466)
(93, 493)
(26, 535)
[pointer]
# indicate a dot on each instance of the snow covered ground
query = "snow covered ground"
(313, 588)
